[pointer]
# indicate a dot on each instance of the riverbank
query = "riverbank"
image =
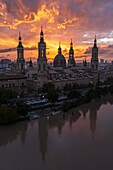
(67, 107)
(21, 112)
(48, 112)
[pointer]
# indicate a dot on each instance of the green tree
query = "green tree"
(8, 114)
(74, 94)
(21, 108)
(109, 81)
(91, 94)
(52, 96)
(47, 87)
(67, 87)
(6, 95)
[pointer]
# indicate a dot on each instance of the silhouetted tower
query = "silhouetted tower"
(71, 61)
(42, 61)
(94, 59)
(85, 63)
(30, 64)
(20, 56)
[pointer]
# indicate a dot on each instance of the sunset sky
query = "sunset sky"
(61, 21)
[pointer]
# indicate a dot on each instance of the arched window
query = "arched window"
(41, 53)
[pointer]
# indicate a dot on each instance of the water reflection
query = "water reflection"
(11, 133)
(43, 135)
(57, 121)
(93, 118)
(92, 109)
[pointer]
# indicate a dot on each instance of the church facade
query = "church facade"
(61, 74)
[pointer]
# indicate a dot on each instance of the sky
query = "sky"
(62, 20)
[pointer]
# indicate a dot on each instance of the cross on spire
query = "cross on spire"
(95, 42)
(71, 42)
(19, 36)
(59, 49)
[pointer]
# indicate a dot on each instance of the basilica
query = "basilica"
(59, 74)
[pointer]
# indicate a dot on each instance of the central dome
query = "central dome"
(59, 60)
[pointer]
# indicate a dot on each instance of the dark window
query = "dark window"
(44, 67)
(22, 84)
(42, 53)
(2, 85)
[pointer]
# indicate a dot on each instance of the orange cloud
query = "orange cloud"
(61, 20)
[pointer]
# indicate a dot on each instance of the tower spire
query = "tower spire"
(71, 42)
(20, 36)
(59, 44)
(59, 49)
(95, 42)
(41, 34)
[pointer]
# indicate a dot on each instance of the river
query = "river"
(62, 142)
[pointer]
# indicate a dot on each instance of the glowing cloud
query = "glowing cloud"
(61, 20)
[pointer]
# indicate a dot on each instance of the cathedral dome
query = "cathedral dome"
(60, 60)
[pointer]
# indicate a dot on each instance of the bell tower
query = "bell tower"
(71, 61)
(41, 61)
(20, 56)
(94, 59)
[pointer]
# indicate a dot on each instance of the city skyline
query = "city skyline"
(61, 21)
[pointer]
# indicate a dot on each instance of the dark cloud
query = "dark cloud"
(2, 57)
(7, 50)
(14, 49)
(83, 56)
(110, 46)
(32, 48)
(103, 51)
(78, 19)
(88, 51)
